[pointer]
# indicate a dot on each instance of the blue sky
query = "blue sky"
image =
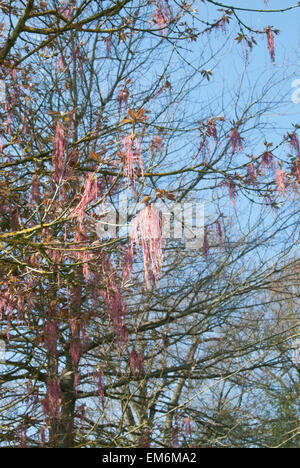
(286, 49)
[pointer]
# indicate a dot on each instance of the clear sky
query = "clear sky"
(287, 53)
(220, 92)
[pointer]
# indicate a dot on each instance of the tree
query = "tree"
(126, 339)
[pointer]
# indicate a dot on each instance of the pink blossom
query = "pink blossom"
(132, 155)
(165, 340)
(251, 174)
(122, 98)
(68, 14)
(138, 156)
(89, 194)
(86, 257)
(129, 157)
(232, 191)
(64, 11)
(270, 39)
(113, 300)
(108, 46)
(175, 435)
(51, 402)
(187, 425)
(81, 412)
(127, 269)
(75, 344)
(35, 187)
(43, 435)
(59, 147)
(229, 182)
(280, 181)
(294, 143)
(222, 23)
(75, 52)
(136, 362)
(22, 435)
(145, 439)
(51, 338)
(219, 232)
(236, 140)
(117, 308)
(212, 129)
(296, 169)
(20, 304)
(160, 19)
(123, 333)
(101, 387)
(84, 337)
(162, 16)
(205, 245)
(24, 122)
(156, 144)
(15, 219)
(14, 74)
(268, 160)
(61, 65)
(7, 124)
(204, 148)
(146, 230)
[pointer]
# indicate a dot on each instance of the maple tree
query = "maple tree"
(131, 340)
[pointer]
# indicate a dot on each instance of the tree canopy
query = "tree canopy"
(149, 228)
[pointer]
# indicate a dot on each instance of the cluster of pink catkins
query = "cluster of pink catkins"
(146, 231)
(89, 194)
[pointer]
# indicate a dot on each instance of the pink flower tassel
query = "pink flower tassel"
(89, 194)
(270, 39)
(280, 181)
(58, 152)
(146, 230)
(236, 140)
